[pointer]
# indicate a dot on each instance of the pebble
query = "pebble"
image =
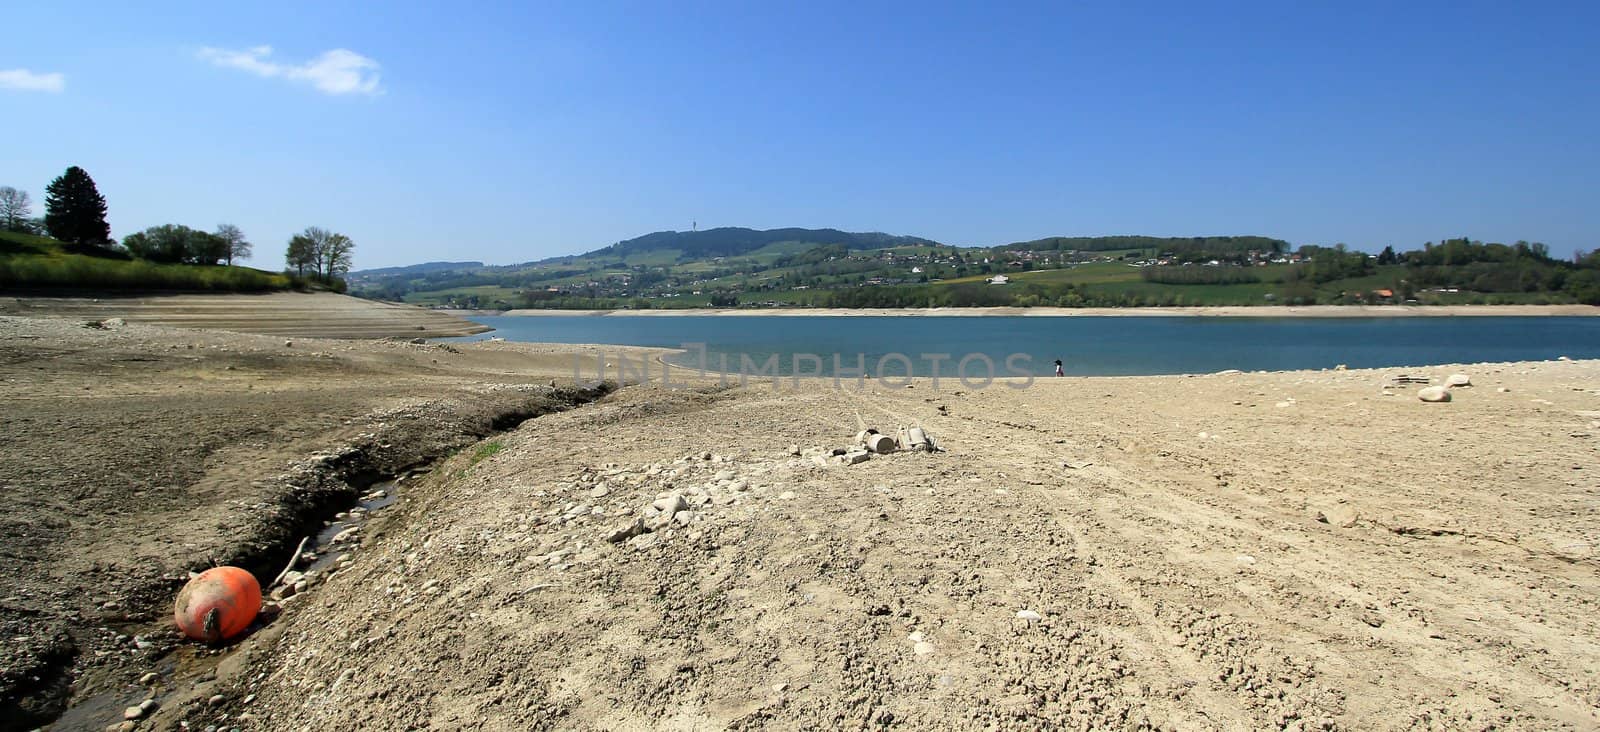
(216, 699)
(786, 496)
(1029, 615)
(139, 712)
(923, 648)
(149, 678)
(684, 517)
(600, 491)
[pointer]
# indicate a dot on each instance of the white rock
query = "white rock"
(1029, 615)
(1458, 380)
(670, 505)
(1339, 515)
(626, 531)
(643, 541)
(1434, 394)
(923, 648)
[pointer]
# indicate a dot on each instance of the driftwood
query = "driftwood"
(292, 560)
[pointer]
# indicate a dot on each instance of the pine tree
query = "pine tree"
(75, 212)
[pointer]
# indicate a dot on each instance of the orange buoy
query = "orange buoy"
(218, 604)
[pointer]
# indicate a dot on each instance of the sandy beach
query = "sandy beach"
(319, 315)
(1306, 311)
(1294, 550)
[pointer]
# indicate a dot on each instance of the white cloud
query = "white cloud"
(340, 71)
(25, 80)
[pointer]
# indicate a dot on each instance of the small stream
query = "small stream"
(324, 546)
(190, 662)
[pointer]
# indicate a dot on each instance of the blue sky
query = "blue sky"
(510, 132)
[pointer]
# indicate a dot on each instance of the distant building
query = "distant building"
(999, 280)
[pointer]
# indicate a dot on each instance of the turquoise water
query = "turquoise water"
(1086, 345)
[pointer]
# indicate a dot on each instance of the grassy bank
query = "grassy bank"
(36, 262)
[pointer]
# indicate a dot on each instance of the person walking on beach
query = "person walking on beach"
(1059, 372)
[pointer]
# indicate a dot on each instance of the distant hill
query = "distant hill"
(734, 241)
(414, 269)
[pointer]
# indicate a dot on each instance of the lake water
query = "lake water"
(1086, 345)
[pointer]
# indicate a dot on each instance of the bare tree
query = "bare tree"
(237, 245)
(16, 209)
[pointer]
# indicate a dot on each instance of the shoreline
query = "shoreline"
(1222, 311)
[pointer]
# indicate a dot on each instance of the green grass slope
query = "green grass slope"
(40, 263)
